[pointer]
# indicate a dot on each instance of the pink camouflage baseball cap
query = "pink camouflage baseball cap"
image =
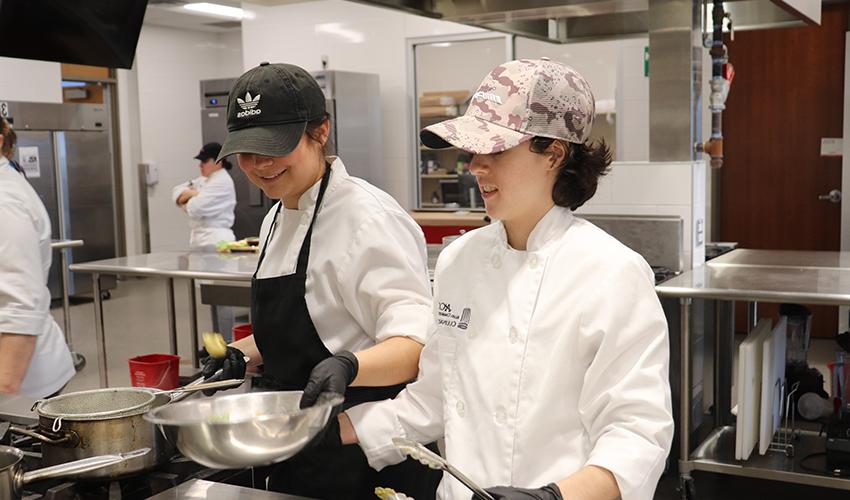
(519, 100)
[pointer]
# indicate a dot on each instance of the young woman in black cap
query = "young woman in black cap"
(208, 200)
(341, 296)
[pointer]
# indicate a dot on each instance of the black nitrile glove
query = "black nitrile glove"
(548, 492)
(333, 374)
(232, 366)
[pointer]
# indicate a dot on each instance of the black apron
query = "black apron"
(290, 347)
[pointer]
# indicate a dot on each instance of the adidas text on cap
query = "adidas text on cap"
(519, 100)
(269, 108)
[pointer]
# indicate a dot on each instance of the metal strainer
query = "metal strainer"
(98, 404)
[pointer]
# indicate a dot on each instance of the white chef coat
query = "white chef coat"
(211, 211)
(24, 297)
(367, 277)
(539, 362)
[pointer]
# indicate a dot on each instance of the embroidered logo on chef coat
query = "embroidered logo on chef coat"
(248, 105)
(445, 317)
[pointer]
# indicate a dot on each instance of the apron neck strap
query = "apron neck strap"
(304, 253)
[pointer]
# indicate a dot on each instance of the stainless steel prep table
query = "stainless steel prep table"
(235, 267)
(208, 490)
(750, 276)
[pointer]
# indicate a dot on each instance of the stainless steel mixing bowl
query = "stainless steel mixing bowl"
(243, 430)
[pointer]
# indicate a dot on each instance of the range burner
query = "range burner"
(138, 487)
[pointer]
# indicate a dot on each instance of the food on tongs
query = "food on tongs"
(214, 344)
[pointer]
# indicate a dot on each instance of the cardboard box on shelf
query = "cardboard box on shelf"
(437, 111)
(437, 100)
(457, 95)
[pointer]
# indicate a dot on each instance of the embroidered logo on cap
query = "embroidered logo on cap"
(487, 96)
(248, 105)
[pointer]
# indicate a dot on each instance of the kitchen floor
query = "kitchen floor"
(135, 320)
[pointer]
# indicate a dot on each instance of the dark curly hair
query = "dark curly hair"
(578, 175)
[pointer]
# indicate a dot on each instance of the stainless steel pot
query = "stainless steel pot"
(67, 439)
(13, 478)
(106, 421)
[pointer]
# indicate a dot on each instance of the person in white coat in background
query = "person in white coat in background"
(34, 359)
(208, 200)
(546, 365)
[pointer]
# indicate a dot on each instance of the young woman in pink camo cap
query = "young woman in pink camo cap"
(546, 365)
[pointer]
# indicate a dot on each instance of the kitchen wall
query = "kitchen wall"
(30, 81)
(354, 37)
(163, 97)
(658, 188)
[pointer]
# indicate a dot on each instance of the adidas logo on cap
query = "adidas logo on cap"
(248, 105)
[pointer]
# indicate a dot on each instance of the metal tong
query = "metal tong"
(427, 457)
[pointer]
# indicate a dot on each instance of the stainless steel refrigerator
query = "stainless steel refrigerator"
(66, 153)
(354, 103)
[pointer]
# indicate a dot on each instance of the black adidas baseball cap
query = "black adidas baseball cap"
(268, 110)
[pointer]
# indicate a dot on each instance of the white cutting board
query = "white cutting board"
(749, 390)
(773, 373)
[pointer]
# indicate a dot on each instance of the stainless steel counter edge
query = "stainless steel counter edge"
(749, 295)
(149, 271)
(199, 488)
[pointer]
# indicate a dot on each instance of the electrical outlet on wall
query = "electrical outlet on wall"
(151, 173)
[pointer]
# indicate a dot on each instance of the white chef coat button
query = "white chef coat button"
(533, 261)
(500, 417)
(513, 337)
(496, 261)
(461, 408)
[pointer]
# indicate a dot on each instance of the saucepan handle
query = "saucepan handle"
(67, 437)
(81, 466)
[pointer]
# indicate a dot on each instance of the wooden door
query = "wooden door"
(787, 94)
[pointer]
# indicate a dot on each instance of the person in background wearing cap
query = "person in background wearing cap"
(34, 359)
(341, 297)
(546, 363)
(209, 200)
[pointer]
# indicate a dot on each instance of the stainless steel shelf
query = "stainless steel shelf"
(717, 454)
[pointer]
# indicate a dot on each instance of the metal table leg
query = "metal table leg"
(752, 315)
(172, 317)
(79, 360)
(66, 304)
(686, 482)
(193, 323)
(99, 332)
(685, 377)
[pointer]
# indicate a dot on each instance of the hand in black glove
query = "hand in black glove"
(333, 374)
(548, 492)
(232, 366)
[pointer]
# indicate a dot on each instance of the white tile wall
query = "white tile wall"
(354, 37)
(169, 66)
(30, 81)
(632, 102)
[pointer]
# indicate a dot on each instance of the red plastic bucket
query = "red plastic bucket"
(242, 331)
(155, 370)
